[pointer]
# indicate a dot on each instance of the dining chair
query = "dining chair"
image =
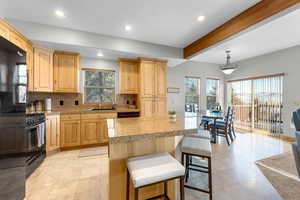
(223, 128)
(296, 119)
(296, 152)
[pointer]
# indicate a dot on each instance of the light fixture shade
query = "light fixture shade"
(228, 68)
(228, 71)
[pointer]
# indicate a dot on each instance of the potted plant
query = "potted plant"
(172, 114)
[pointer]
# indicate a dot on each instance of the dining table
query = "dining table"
(213, 115)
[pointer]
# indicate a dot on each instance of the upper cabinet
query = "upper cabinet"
(43, 70)
(147, 78)
(66, 71)
(153, 78)
(29, 62)
(161, 79)
(128, 76)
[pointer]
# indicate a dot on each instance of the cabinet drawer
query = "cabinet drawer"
(70, 117)
(99, 116)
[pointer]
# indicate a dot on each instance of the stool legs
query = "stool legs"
(203, 169)
(210, 179)
(182, 188)
(136, 194)
(128, 187)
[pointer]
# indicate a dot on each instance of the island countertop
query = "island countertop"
(131, 129)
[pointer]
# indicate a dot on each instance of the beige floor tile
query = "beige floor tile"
(66, 176)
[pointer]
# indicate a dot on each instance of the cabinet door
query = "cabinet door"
(90, 131)
(160, 107)
(29, 63)
(161, 79)
(43, 70)
(52, 133)
(147, 79)
(128, 77)
(70, 133)
(93, 131)
(66, 72)
(147, 107)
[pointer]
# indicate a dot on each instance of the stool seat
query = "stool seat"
(154, 168)
(196, 146)
(204, 134)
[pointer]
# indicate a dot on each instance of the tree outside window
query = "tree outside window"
(99, 86)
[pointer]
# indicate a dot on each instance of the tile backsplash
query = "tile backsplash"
(67, 99)
(74, 100)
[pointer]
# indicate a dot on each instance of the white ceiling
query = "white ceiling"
(167, 22)
(279, 33)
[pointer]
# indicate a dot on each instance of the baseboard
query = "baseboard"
(82, 146)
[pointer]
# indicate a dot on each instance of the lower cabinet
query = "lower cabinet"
(153, 107)
(52, 132)
(160, 106)
(85, 129)
(93, 131)
(70, 133)
(147, 107)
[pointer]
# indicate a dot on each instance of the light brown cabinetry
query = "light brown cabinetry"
(70, 131)
(52, 132)
(4, 29)
(17, 39)
(84, 129)
(43, 69)
(128, 76)
(9, 33)
(29, 63)
(160, 79)
(147, 107)
(147, 78)
(153, 92)
(66, 71)
(93, 131)
(160, 106)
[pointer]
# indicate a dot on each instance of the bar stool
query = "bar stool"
(198, 147)
(202, 133)
(153, 169)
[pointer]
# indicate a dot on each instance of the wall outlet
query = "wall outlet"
(61, 102)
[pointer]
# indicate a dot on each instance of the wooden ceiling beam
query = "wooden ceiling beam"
(253, 15)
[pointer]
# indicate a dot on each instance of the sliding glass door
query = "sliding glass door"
(258, 103)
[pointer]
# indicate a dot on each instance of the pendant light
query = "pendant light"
(228, 68)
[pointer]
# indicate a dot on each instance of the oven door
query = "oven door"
(35, 137)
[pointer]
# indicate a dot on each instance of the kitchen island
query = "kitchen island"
(129, 137)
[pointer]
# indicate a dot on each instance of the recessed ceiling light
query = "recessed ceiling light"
(60, 13)
(201, 18)
(128, 28)
(100, 54)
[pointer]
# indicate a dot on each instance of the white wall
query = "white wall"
(176, 77)
(98, 64)
(285, 61)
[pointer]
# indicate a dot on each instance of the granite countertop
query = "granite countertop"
(131, 129)
(45, 112)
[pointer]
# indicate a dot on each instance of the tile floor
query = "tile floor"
(67, 176)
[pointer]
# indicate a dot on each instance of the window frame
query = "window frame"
(198, 88)
(98, 87)
(217, 92)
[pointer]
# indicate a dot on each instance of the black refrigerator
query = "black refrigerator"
(22, 140)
